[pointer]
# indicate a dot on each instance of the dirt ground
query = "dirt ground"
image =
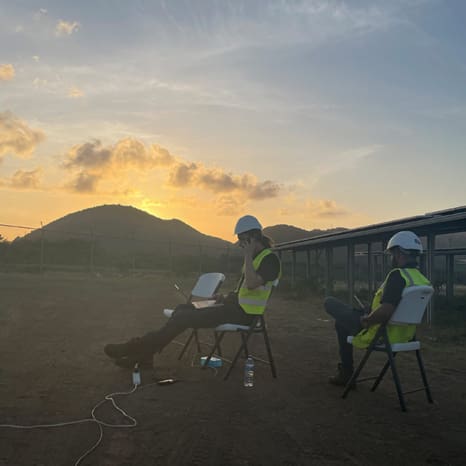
(52, 369)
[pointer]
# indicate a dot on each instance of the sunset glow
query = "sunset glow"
(314, 113)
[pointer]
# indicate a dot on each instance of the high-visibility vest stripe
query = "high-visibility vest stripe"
(396, 333)
(254, 301)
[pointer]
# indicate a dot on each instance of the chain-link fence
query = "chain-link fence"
(100, 253)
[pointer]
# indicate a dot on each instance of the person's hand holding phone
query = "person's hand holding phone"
(248, 246)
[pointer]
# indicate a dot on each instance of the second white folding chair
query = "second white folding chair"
(410, 310)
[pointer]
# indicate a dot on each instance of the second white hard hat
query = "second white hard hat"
(405, 240)
(247, 223)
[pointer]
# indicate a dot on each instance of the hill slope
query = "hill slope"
(284, 233)
(118, 226)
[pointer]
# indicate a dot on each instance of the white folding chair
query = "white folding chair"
(205, 288)
(257, 325)
(410, 310)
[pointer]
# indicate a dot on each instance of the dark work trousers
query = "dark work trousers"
(347, 322)
(186, 316)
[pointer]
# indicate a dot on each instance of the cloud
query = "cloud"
(185, 174)
(324, 208)
(344, 160)
(354, 155)
(16, 137)
(39, 14)
(90, 155)
(84, 183)
(95, 161)
(38, 83)
(229, 205)
(311, 208)
(182, 175)
(126, 153)
(92, 161)
(75, 93)
(66, 28)
(26, 179)
(7, 72)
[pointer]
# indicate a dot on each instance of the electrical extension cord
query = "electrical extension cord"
(93, 419)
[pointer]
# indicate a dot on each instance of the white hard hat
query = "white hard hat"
(247, 223)
(405, 240)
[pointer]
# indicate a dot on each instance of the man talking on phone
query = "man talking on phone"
(404, 248)
(261, 268)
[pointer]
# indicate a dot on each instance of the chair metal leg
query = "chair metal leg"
(381, 375)
(424, 377)
(356, 373)
(353, 379)
(245, 344)
(186, 345)
(196, 337)
(218, 339)
(219, 350)
(233, 363)
(396, 378)
(269, 352)
(243, 347)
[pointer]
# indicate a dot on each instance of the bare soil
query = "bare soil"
(52, 369)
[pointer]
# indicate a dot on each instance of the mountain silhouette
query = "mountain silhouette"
(283, 233)
(118, 228)
(122, 227)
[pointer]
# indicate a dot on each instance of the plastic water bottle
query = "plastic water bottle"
(136, 375)
(249, 372)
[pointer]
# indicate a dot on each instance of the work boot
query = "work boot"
(341, 378)
(121, 350)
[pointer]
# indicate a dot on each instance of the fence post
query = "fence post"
(308, 265)
(450, 277)
(41, 265)
(370, 269)
(430, 275)
(317, 269)
(200, 258)
(170, 257)
(329, 269)
(350, 270)
(133, 254)
(91, 257)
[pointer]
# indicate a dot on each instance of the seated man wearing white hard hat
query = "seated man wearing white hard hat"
(404, 248)
(261, 268)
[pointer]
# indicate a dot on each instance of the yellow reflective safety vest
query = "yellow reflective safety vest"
(397, 333)
(254, 301)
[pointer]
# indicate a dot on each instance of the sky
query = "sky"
(317, 113)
